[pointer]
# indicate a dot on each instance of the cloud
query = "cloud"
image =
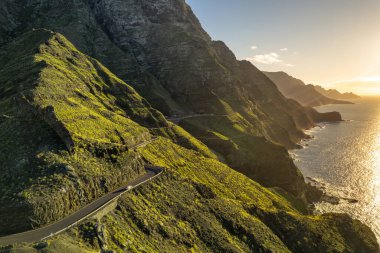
(284, 49)
(253, 47)
(270, 58)
(290, 65)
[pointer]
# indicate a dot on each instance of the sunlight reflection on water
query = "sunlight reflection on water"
(345, 158)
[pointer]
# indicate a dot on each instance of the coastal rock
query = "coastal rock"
(329, 117)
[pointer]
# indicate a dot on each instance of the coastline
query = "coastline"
(328, 152)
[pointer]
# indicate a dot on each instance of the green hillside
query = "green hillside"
(68, 130)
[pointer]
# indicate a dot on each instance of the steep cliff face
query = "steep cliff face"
(161, 37)
(199, 74)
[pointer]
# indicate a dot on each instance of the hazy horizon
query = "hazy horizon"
(363, 88)
(333, 44)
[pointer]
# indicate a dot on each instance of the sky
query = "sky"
(335, 43)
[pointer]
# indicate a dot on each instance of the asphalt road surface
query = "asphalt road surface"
(85, 212)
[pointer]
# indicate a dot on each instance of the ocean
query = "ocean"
(344, 158)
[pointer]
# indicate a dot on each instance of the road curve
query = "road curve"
(70, 221)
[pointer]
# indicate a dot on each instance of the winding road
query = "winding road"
(177, 119)
(92, 208)
(87, 211)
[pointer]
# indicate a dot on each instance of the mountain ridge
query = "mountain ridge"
(308, 95)
(334, 94)
(160, 48)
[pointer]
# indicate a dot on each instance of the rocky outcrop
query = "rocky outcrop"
(329, 117)
(50, 118)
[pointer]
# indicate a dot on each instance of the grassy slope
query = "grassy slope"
(201, 205)
(254, 156)
(43, 116)
(55, 100)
